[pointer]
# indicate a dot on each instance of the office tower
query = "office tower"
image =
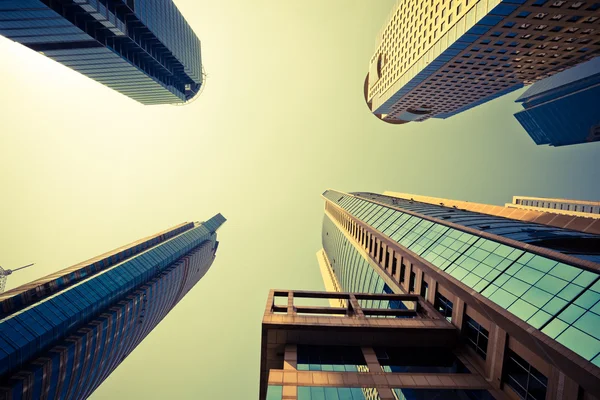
(143, 49)
(580, 208)
(523, 297)
(576, 215)
(563, 109)
(435, 59)
(62, 335)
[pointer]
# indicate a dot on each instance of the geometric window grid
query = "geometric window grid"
(525, 380)
(532, 287)
(577, 326)
(476, 335)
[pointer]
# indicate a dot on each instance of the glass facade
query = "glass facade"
(559, 299)
(142, 49)
(562, 109)
(69, 341)
(336, 393)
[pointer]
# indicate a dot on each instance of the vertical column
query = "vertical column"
(290, 304)
(495, 357)
(432, 289)
(561, 387)
(418, 279)
(290, 357)
(290, 375)
(458, 310)
(371, 359)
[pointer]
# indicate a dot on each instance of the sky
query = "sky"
(282, 118)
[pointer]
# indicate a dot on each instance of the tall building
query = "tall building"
(62, 335)
(563, 109)
(575, 215)
(578, 208)
(435, 59)
(522, 297)
(143, 49)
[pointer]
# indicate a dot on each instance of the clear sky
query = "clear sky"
(84, 170)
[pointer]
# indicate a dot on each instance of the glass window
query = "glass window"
(476, 336)
(336, 393)
(525, 380)
(444, 306)
(426, 360)
(331, 358)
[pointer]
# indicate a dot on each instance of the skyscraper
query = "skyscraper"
(563, 109)
(522, 296)
(143, 49)
(434, 59)
(62, 335)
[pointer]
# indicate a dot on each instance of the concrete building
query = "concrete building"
(434, 59)
(564, 109)
(521, 297)
(143, 49)
(62, 335)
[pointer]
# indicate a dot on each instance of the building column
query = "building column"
(432, 290)
(458, 310)
(371, 359)
(561, 387)
(495, 357)
(290, 358)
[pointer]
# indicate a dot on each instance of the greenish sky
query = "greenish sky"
(84, 170)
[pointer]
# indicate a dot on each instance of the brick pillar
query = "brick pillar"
(495, 356)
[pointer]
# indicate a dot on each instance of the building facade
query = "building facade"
(353, 352)
(62, 335)
(522, 297)
(563, 109)
(434, 59)
(578, 208)
(143, 49)
(575, 215)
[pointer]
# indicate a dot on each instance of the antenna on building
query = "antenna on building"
(4, 273)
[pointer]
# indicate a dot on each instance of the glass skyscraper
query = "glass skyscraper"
(143, 49)
(523, 296)
(564, 109)
(62, 335)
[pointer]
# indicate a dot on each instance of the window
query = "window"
(525, 380)
(444, 306)
(411, 282)
(476, 335)
(424, 287)
(402, 272)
